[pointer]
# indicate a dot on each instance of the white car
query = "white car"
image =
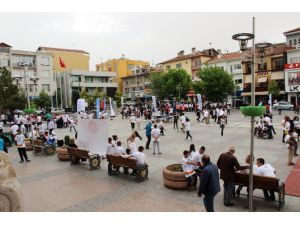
(283, 105)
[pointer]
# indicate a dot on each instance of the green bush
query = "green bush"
(253, 110)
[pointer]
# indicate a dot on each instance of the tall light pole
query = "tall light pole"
(243, 39)
(24, 65)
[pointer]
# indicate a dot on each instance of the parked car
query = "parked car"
(283, 106)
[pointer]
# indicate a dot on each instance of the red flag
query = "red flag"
(61, 62)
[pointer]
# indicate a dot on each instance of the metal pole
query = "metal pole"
(65, 87)
(56, 91)
(26, 87)
(252, 121)
(61, 98)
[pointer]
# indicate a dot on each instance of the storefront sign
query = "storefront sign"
(292, 66)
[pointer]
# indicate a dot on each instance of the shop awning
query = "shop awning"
(259, 93)
(262, 79)
(248, 79)
(277, 76)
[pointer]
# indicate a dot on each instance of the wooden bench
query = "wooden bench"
(77, 155)
(262, 182)
(115, 162)
(39, 146)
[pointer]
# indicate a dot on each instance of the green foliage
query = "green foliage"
(43, 101)
(29, 110)
(217, 84)
(173, 83)
(97, 94)
(117, 98)
(10, 96)
(273, 88)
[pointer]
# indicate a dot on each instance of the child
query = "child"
(20, 140)
(187, 126)
(222, 124)
(161, 127)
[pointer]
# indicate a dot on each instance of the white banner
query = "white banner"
(154, 102)
(80, 105)
(112, 112)
(92, 135)
(199, 98)
(270, 103)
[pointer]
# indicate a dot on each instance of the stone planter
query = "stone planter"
(174, 178)
(62, 154)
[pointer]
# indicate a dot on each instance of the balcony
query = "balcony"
(20, 65)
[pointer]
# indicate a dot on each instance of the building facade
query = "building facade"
(78, 80)
(293, 37)
(231, 63)
(137, 84)
(270, 68)
(123, 67)
(191, 63)
(74, 59)
(292, 76)
(31, 71)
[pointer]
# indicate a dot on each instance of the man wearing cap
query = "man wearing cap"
(228, 164)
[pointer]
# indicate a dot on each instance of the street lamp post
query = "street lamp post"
(243, 38)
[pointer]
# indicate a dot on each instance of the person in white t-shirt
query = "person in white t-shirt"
(206, 116)
(188, 169)
(119, 149)
(39, 120)
(197, 158)
(187, 126)
(20, 142)
(132, 120)
(14, 128)
(182, 121)
(155, 135)
(268, 171)
(109, 148)
(131, 145)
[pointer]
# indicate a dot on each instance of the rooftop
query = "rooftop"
(225, 57)
(188, 56)
(296, 30)
(92, 73)
(2, 44)
(62, 50)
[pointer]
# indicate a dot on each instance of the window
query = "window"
(45, 74)
(178, 66)
(32, 87)
(231, 70)
(238, 81)
(290, 43)
(295, 41)
(262, 66)
(74, 78)
(248, 68)
(237, 66)
(168, 67)
(277, 64)
(46, 87)
(294, 60)
(45, 61)
(130, 66)
(126, 90)
(4, 62)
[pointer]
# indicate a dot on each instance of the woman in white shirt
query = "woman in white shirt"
(285, 126)
(155, 135)
(187, 126)
(188, 169)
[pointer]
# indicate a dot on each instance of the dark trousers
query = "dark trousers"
(192, 180)
(23, 154)
(50, 131)
(198, 118)
(272, 129)
(175, 124)
(269, 194)
(148, 141)
(222, 129)
(162, 131)
(270, 132)
(26, 127)
(188, 135)
(208, 201)
(132, 125)
(229, 187)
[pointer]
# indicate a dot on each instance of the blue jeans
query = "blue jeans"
(208, 201)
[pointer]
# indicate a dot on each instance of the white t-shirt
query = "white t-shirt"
(182, 119)
(20, 139)
(132, 119)
(132, 146)
(51, 125)
(266, 170)
(247, 170)
(18, 120)
(268, 120)
(197, 157)
(23, 129)
(39, 119)
(187, 168)
(119, 150)
(14, 129)
(187, 126)
(155, 133)
(109, 149)
(140, 157)
(205, 114)
(42, 128)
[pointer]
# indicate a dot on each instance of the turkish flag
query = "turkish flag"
(61, 62)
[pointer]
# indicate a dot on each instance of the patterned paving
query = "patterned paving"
(293, 181)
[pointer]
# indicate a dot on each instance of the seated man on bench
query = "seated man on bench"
(139, 156)
(269, 171)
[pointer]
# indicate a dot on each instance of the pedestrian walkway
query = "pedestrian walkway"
(292, 184)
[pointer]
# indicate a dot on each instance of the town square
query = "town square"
(172, 113)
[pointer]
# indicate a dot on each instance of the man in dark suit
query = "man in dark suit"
(228, 164)
(209, 185)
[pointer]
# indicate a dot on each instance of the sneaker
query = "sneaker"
(291, 164)
(28, 160)
(21, 161)
(159, 153)
(153, 153)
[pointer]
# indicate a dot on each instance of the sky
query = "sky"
(152, 37)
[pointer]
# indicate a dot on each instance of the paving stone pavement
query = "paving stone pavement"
(52, 185)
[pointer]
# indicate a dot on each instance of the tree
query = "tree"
(117, 98)
(273, 88)
(10, 96)
(173, 83)
(217, 83)
(43, 101)
(85, 96)
(97, 94)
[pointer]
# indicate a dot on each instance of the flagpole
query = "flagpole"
(65, 87)
(56, 91)
(61, 98)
